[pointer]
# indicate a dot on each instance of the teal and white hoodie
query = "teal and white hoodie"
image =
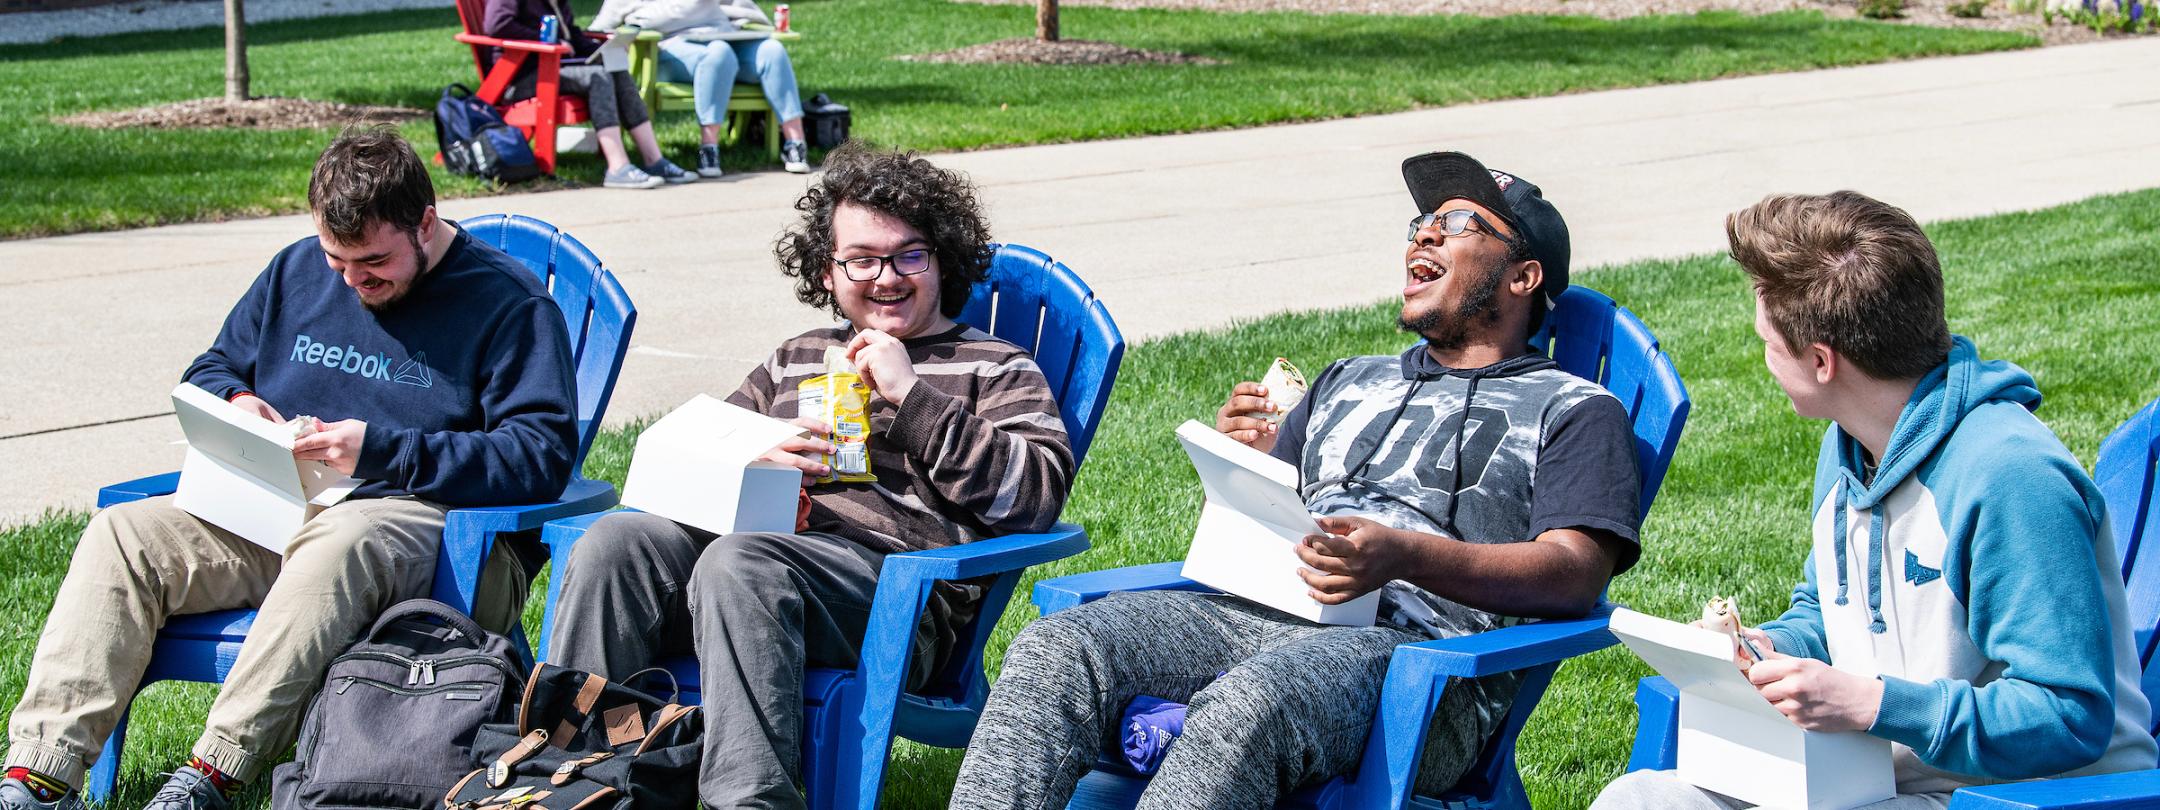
(1975, 574)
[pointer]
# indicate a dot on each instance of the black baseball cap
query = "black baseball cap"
(1436, 177)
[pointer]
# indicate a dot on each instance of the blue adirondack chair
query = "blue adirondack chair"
(850, 716)
(2125, 473)
(1591, 337)
(202, 647)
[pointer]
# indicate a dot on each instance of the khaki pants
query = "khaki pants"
(142, 562)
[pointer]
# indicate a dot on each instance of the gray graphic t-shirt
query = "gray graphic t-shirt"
(1492, 455)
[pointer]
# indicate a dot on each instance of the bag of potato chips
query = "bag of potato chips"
(841, 400)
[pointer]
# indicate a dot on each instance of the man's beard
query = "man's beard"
(399, 293)
(1448, 331)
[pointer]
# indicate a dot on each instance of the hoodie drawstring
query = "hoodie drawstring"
(1847, 485)
(1454, 494)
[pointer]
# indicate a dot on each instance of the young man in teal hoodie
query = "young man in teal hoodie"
(1962, 597)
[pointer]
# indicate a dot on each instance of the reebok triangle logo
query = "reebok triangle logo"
(414, 372)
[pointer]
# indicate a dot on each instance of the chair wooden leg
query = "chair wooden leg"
(772, 135)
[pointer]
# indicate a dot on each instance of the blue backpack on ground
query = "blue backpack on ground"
(476, 142)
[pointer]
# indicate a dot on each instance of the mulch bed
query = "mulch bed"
(254, 113)
(1062, 52)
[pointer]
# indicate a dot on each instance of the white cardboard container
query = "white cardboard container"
(699, 466)
(1250, 528)
(240, 474)
(1734, 742)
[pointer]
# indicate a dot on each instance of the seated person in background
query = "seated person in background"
(610, 96)
(494, 422)
(1469, 479)
(714, 66)
(965, 440)
(1976, 616)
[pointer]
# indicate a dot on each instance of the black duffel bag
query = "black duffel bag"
(394, 724)
(583, 743)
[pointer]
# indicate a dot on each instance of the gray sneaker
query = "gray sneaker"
(708, 160)
(668, 171)
(630, 177)
(14, 795)
(188, 789)
(795, 156)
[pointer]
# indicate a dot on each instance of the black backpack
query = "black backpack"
(394, 724)
(826, 123)
(582, 743)
(476, 142)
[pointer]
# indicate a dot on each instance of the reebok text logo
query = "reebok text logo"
(351, 360)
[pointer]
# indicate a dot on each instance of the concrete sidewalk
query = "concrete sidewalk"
(1175, 233)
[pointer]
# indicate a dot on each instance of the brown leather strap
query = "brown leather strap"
(597, 797)
(569, 770)
(588, 695)
(498, 772)
(667, 716)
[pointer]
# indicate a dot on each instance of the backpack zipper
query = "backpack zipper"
(450, 691)
(420, 671)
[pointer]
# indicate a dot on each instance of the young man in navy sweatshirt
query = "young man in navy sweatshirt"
(1961, 597)
(437, 369)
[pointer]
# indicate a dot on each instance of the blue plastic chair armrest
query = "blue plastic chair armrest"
(2115, 791)
(1657, 726)
(1508, 648)
(138, 489)
(1053, 595)
(1418, 674)
(469, 535)
(993, 555)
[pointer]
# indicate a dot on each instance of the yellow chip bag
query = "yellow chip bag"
(841, 400)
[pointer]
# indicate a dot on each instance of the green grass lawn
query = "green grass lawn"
(2056, 291)
(1273, 68)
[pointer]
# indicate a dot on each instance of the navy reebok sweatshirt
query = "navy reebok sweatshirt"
(465, 384)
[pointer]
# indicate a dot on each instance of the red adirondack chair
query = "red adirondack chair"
(538, 116)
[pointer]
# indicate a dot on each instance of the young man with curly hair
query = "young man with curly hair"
(1961, 597)
(965, 440)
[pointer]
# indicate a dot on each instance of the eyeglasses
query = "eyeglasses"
(1456, 223)
(868, 268)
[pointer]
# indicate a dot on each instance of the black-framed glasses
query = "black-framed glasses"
(868, 268)
(1457, 223)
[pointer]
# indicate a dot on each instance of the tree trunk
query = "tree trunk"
(1046, 22)
(236, 68)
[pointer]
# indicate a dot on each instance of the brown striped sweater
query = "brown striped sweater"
(977, 450)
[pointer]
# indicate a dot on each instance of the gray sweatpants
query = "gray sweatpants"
(1293, 706)
(1662, 790)
(611, 97)
(754, 608)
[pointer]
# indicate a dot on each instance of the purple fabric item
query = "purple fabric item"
(1150, 724)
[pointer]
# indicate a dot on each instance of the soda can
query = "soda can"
(548, 26)
(780, 17)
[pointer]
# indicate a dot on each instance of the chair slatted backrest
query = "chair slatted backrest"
(472, 14)
(1594, 338)
(594, 306)
(1040, 305)
(2125, 473)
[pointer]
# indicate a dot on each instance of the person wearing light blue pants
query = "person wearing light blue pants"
(713, 68)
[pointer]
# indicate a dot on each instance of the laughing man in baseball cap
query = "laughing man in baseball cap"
(1468, 480)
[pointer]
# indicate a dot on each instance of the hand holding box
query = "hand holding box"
(699, 466)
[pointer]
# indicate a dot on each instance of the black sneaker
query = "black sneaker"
(189, 789)
(795, 156)
(14, 795)
(668, 171)
(708, 160)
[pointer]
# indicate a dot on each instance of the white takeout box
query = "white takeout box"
(240, 474)
(1250, 528)
(699, 466)
(1734, 742)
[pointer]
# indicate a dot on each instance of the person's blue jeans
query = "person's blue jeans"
(713, 68)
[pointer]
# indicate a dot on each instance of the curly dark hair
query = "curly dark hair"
(938, 203)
